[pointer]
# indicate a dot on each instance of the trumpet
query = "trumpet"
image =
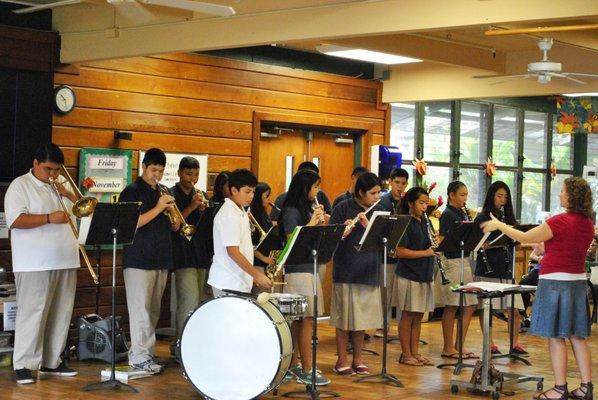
(83, 207)
(254, 225)
(432, 236)
(174, 214)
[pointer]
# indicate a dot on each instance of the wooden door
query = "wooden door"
(272, 159)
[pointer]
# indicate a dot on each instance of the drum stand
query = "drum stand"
(510, 355)
(311, 391)
(383, 376)
(459, 365)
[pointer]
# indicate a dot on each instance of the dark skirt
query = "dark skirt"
(561, 309)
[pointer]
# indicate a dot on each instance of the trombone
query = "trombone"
(83, 207)
(253, 225)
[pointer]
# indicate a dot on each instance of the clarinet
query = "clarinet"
(487, 267)
(432, 236)
(503, 218)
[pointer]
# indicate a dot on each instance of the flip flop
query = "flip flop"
(361, 369)
(346, 371)
(454, 356)
(414, 362)
(470, 354)
(423, 360)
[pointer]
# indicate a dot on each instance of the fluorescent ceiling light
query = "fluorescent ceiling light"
(581, 94)
(364, 55)
(404, 105)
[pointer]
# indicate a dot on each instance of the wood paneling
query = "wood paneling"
(200, 105)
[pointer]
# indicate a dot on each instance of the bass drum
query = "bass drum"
(233, 348)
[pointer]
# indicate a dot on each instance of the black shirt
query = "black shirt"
(265, 223)
(321, 196)
(291, 217)
(345, 196)
(449, 218)
(416, 238)
(350, 265)
(499, 258)
(188, 253)
(152, 246)
(389, 203)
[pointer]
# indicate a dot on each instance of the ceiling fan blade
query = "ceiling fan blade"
(134, 12)
(592, 76)
(197, 6)
(523, 76)
(566, 76)
(40, 7)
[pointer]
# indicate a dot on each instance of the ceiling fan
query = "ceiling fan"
(188, 5)
(545, 69)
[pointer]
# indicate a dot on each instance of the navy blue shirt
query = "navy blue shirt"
(188, 253)
(321, 196)
(291, 217)
(389, 203)
(449, 218)
(152, 246)
(345, 196)
(350, 265)
(416, 238)
(499, 258)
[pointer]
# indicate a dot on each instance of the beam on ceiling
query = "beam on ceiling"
(323, 22)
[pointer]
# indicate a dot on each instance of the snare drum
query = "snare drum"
(233, 348)
(292, 306)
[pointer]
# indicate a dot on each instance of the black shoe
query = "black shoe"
(61, 370)
(519, 350)
(24, 376)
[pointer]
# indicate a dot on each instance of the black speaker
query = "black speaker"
(95, 339)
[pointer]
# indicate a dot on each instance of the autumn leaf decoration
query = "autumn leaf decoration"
(88, 183)
(420, 166)
(552, 170)
(490, 167)
(567, 123)
(591, 125)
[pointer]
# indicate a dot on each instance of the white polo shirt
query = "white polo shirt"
(231, 228)
(47, 247)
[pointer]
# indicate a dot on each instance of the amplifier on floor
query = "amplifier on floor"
(95, 338)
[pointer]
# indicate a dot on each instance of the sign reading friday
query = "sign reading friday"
(106, 162)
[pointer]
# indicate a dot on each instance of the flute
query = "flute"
(274, 206)
(356, 219)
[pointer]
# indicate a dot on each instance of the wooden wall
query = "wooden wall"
(197, 104)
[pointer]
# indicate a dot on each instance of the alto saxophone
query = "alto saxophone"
(432, 236)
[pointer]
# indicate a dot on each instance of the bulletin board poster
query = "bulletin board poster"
(104, 173)
(171, 177)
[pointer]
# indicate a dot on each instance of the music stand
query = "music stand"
(462, 236)
(384, 232)
(315, 244)
(510, 255)
(111, 223)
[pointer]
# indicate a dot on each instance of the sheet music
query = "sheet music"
(481, 242)
(496, 286)
(84, 229)
(370, 223)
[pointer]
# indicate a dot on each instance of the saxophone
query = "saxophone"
(432, 236)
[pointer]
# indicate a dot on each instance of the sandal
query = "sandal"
(454, 356)
(470, 354)
(560, 389)
(423, 360)
(410, 361)
(585, 391)
(345, 371)
(361, 369)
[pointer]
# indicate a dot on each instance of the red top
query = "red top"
(572, 234)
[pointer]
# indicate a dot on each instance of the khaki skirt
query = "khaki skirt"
(355, 307)
(452, 268)
(501, 303)
(302, 283)
(413, 296)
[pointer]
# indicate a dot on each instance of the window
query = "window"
(532, 196)
(475, 181)
(534, 140)
(505, 143)
(402, 128)
(593, 151)
(437, 131)
(474, 133)
(555, 189)
(442, 176)
(562, 150)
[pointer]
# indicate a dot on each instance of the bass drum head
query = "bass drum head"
(230, 349)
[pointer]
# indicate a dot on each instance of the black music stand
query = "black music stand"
(315, 244)
(112, 223)
(510, 254)
(463, 236)
(385, 232)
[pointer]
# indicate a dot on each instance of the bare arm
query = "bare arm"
(30, 221)
(540, 233)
